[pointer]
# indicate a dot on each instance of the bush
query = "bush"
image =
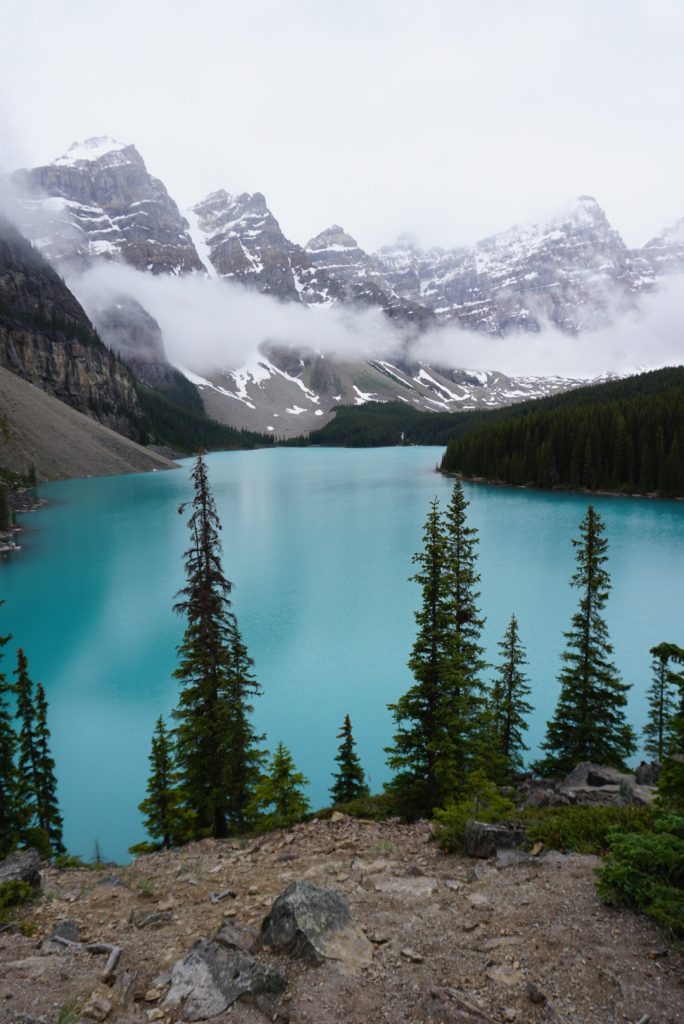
(645, 871)
(582, 829)
(375, 808)
(13, 894)
(484, 802)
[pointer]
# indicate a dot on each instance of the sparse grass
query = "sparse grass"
(582, 829)
(12, 895)
(70, 1012)
(374, 808)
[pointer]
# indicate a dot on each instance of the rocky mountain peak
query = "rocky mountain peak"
(100, 149)
(99, 201)
(333, 238)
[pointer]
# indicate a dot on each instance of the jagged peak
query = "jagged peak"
(91, 150)
(333, 237)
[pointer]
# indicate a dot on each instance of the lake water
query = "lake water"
(318, 544)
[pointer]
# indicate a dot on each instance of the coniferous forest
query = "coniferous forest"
(624, 436)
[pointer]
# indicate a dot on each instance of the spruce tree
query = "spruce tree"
(508, 704)
(671, 781)
(279, 793)
(349, 781)
(9, 807)
(589, 722)
(216, 747)
(440, 718)
(49, 817)
(27, 755)
(662, 705)
(166, 822)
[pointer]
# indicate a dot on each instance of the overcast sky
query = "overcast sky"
(451, 119)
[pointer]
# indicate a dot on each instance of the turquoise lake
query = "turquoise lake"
(318, 544)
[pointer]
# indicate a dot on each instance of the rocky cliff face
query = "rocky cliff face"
(47, 339)
(98, 200)
(242, 241)
(665, 253)
(573, 271)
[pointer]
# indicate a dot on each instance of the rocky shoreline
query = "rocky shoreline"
(21, 501)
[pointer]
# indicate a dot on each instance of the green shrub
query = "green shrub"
(645, 871)
(582, 829)
(13, 894)
(484, 802)
(375, 808)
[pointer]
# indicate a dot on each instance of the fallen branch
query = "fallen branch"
(94, 947)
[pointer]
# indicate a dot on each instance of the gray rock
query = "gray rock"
(587, 774)
(22, 866)
(483, 840)
(647, 774)
(211, 978)
(315, 923)
(63, 930)
(234, 935)
(639, 796)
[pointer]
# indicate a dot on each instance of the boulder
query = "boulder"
(587, 774)
(647, 774)
(234, 935)
(22, 866)
(639, 796)
(483, 840)
(315, 923)
(211, 978)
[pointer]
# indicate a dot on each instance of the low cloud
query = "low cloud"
(212, 325)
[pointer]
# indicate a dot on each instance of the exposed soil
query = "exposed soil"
(455, 940)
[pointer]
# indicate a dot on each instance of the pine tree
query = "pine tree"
(9, 816)
(49, 817)
(349, 781)
(439, 719)
(216, 747)
(508, 704)
(27, 759)
(589, 722)
(462, 707)
(166, 822)
(279, 793)
(658, 731)
(671, 781)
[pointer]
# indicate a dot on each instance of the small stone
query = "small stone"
(153, 994)
(410, 954)
(338, 816)
(537, 849)
(342, 877)
(535, 994)
(378, 938)
(510, 1014)
(476, 899)
(156, 1014)
(166, 905)
(98, 1007)
(252, 891)
(453, 885)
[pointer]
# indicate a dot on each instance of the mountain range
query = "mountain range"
(98, 204)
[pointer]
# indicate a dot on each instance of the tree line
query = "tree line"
(210, 775)
(628, 439)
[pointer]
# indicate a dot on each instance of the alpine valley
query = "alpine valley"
(98, 206)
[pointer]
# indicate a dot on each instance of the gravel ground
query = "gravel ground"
(455, 941)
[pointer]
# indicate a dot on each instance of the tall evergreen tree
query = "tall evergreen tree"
(349, 781)
(671, 781)
(279, 793)
(166, 821)
(27, 755)
(589, 722)
(508, 704)
(662, 704)
(439, 719)
(461, 714)
(216, 747)
(49, 816)
(9, 808)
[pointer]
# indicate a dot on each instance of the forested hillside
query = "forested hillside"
(625, 436)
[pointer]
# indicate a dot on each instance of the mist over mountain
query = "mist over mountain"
(270, 329)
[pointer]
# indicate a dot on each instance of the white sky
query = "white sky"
(451, 119)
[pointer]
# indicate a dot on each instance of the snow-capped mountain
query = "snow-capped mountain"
(573, 271)
(239, 238)
(665, 253)
(287, 393)
(99, 201)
